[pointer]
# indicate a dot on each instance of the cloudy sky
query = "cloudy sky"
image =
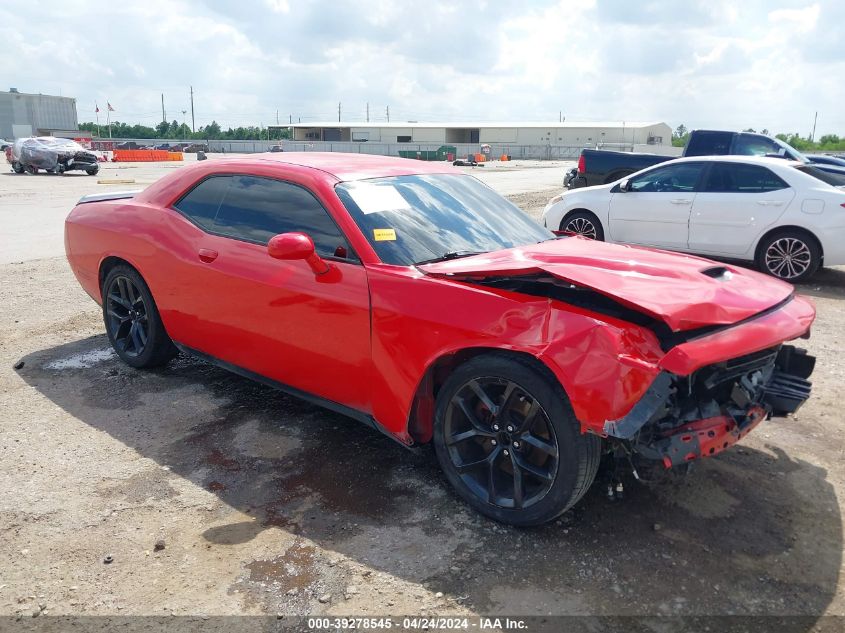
(713, 63)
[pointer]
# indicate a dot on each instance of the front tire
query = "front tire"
(790, 255)
(92, 171)
(508, 441)
(583, 223)
(132, 321)
(17, 167)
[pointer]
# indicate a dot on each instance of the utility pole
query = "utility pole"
(560, 116)
(338, 111)
(815, 119)
(387, 111)
(277, 117)
(184, 123)
(163, 115)
(290, 119)
(192, 110)
(368, 111)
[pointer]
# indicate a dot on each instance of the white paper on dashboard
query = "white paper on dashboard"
(377, 198)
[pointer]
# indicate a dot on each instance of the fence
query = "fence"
(531, 152)
(535, 152)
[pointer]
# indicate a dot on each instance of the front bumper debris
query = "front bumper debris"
(684, 418)
(706, 438)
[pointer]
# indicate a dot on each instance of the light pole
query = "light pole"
(184, 123)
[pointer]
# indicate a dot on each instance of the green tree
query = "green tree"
(680, 136)
(212, 130)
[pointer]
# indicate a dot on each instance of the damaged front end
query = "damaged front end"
(684, 418)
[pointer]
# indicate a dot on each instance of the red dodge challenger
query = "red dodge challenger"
(413, 298)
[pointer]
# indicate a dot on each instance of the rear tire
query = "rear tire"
(790, 255)
(522, 462)
(583, 223)
(132, 321)
(92, 171)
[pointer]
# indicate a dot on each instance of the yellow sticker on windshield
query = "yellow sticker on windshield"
(384, 235)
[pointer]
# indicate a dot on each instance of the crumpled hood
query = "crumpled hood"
(683, 291)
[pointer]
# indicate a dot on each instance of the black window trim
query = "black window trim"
(354, 259)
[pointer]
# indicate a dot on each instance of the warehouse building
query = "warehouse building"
(556, 133)
(37, 115)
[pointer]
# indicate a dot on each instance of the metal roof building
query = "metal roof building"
(516, 133)
(24, 114)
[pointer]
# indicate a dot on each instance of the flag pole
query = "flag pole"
(108, 117)
(97, 113)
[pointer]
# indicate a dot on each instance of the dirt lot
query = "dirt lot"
(214, 495)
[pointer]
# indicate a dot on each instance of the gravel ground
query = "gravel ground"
(189, 490)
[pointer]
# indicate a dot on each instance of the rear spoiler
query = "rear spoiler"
(114, 195)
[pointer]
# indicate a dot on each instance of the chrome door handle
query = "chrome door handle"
(680, 201)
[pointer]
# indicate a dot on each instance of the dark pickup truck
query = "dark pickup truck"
(599, 167)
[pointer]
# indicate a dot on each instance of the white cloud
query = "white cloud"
(705, 63)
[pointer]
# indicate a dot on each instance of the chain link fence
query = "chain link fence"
(497, 150)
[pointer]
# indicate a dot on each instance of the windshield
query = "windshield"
(413, 219)
(837, 180)
(790, 152)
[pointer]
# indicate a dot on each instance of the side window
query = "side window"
(200, 204)
(704, 143)
(672, 178)
(255, 209)
(739, 178)
(749, 145)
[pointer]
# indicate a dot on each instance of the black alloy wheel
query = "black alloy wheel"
(501, 442)
(508, 441)
(127, 317)
(132, 321)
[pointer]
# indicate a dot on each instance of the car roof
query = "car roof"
(349, 166)
(759, 160)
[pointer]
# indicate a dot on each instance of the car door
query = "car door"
(737, 202)
(273, 318)
(655, 209)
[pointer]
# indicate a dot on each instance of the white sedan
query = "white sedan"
(786, 216)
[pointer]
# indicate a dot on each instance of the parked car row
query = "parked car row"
(600, 167)
(788, 217)
(189, 148)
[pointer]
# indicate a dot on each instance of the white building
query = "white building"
(506, 133)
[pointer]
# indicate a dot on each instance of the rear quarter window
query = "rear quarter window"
(709, 144)
(201, 203)
(739, 178)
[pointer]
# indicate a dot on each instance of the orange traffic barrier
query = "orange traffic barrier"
(175, 156)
